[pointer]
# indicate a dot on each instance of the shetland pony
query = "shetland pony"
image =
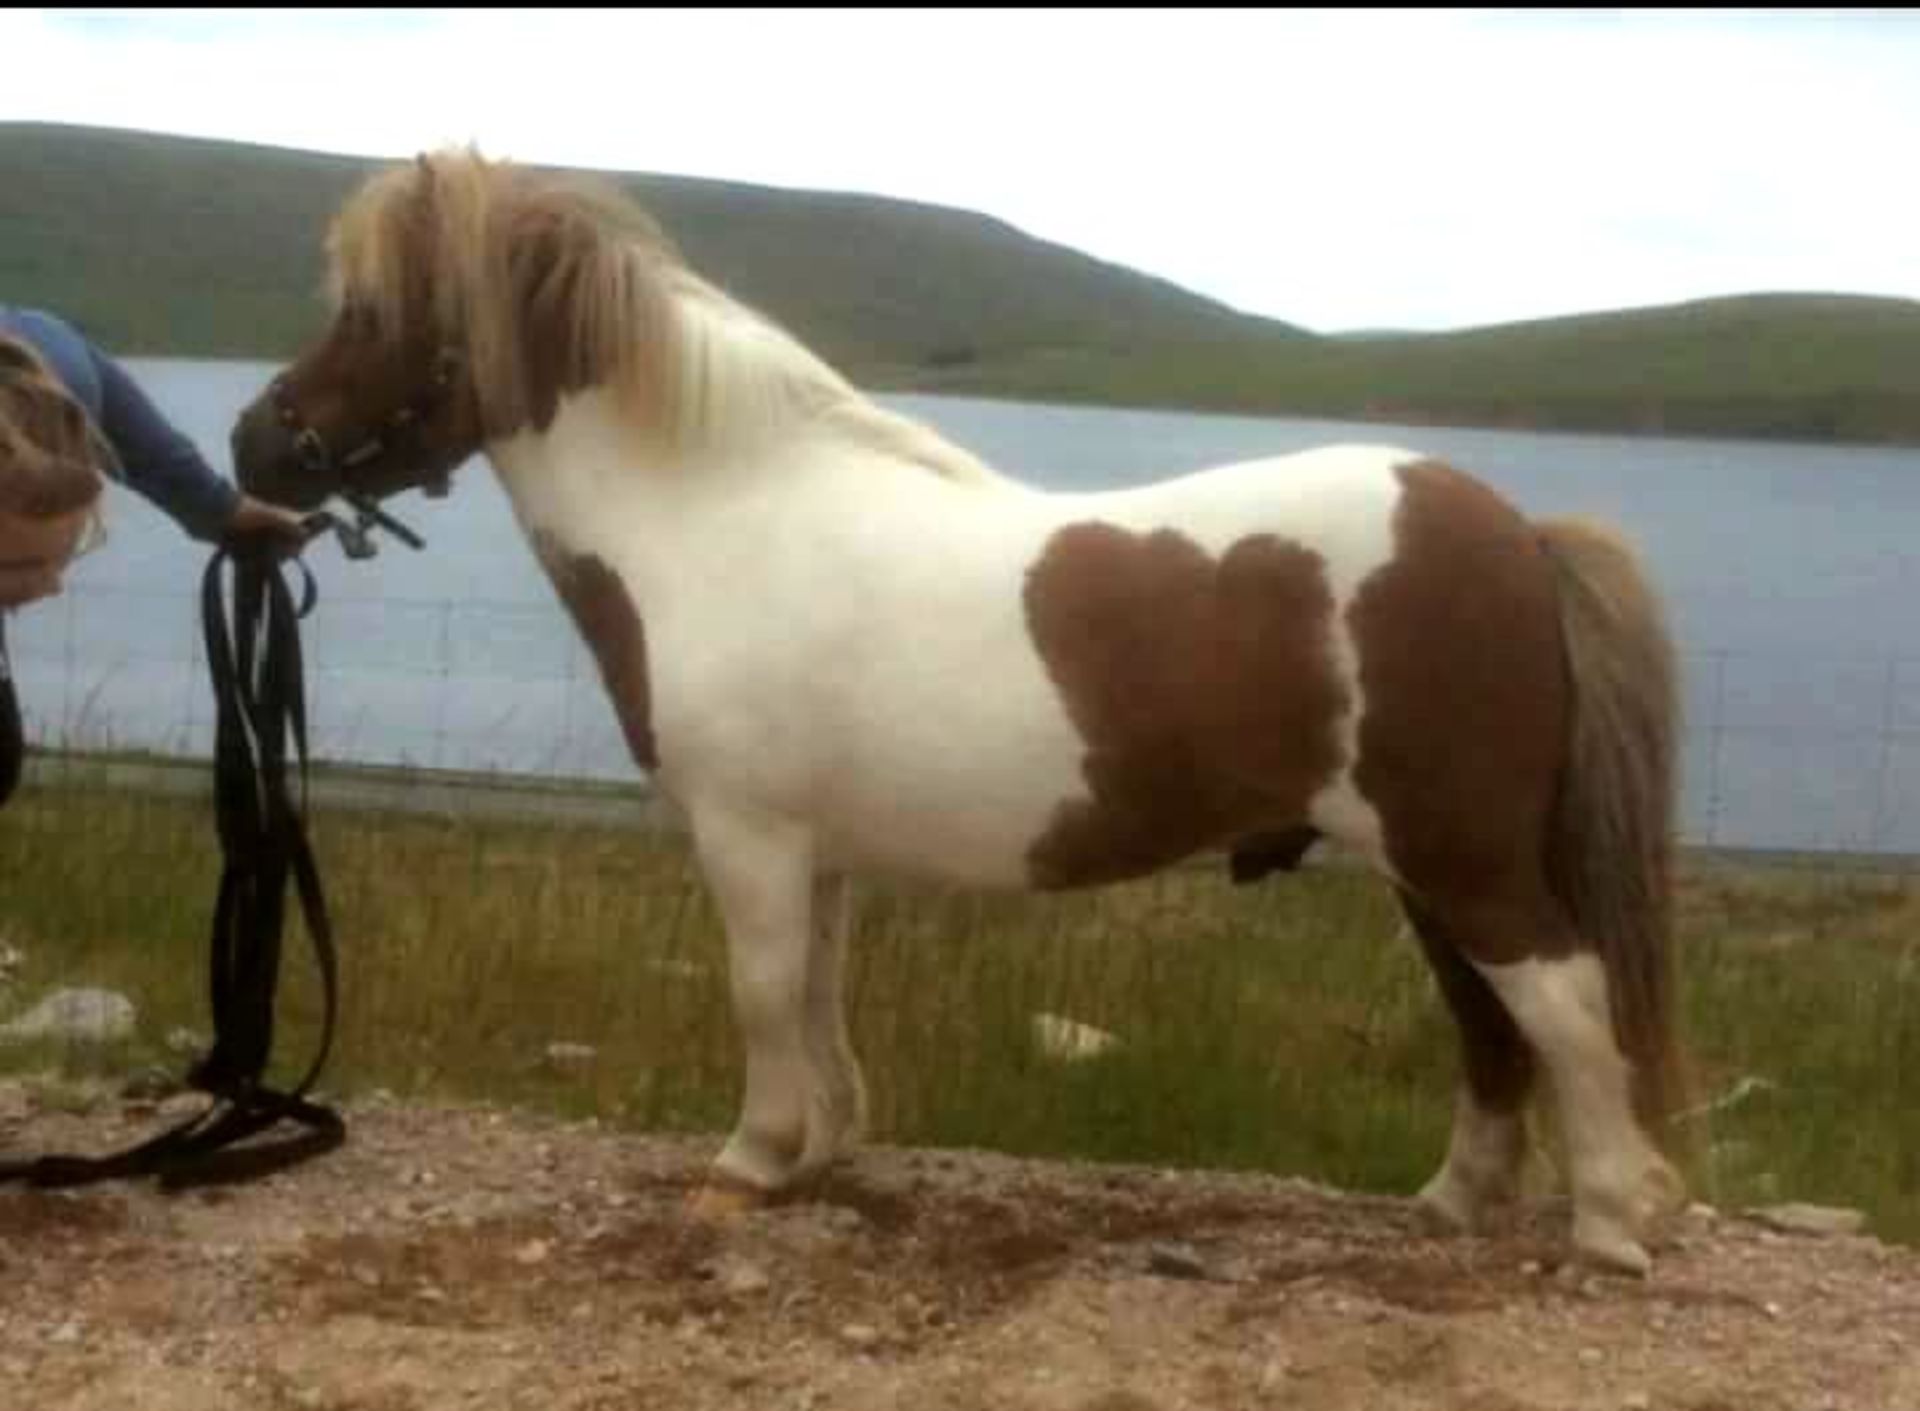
(841, 643)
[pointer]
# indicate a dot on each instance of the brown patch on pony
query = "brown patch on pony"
(1205, 692)
(1518, 743)
(1499, 1063)
(547, 271)
(354, 385)
(610, 624)
(1467, 707)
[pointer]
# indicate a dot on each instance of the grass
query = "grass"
(1287, 1027)
(187, 247)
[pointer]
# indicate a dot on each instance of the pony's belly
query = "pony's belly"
(957, 841)
(970, 818)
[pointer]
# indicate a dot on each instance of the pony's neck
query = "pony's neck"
(743, 413)
(587, 481)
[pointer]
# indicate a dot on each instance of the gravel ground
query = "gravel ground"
(465, 1257)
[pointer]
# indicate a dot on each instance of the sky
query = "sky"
(1340, 170)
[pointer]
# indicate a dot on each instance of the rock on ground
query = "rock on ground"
(75, 1015)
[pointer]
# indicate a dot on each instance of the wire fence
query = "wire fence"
(1785, 753)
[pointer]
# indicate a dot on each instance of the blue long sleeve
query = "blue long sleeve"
(159, 461)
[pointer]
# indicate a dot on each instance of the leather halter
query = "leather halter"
(317, 458)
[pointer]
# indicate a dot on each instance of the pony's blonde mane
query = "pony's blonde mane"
(550, 282)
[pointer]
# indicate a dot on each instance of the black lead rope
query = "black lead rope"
(259, 691)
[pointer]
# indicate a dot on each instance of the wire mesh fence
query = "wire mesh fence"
(1785, 753)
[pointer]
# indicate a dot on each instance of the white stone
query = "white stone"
(1068, 1040)
(82, 1015)
(1800, 1219)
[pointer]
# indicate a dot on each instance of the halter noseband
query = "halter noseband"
(316, 458)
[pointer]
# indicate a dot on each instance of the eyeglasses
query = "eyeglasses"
(92, 536)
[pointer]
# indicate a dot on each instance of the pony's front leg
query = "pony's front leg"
(837, 1120)
(760, 872)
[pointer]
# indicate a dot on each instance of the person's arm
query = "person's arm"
(161, 464)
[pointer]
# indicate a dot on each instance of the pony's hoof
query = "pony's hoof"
(1607, 1245)
(1453, 1207)
(716, 1204)
(1442, 1206)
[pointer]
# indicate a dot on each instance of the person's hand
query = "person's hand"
(286, 529)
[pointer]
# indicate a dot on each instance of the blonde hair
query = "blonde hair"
(50, 452)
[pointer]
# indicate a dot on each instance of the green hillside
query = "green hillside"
(189, 247)
(178, 245)
(1812, 367)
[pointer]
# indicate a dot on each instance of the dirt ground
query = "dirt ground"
(459, 1257)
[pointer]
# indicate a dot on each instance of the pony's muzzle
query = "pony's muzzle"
(267, 460)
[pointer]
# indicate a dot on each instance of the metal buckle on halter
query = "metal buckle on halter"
(367, 450)
(356, 534)
(310, 450)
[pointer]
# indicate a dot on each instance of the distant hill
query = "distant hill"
(1797, 366)
(1361, 335)
(183, 246)
(193, 247)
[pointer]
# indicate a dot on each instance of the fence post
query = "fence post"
(71, 668)
(1716, 731)
(446, 683)
(569, 683)
(1889, 692)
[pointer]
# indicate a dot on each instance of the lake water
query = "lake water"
(1791, 573)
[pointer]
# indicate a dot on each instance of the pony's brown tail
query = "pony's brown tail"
(1610, 849)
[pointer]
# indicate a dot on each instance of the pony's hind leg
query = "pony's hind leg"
(1555, 989)
(837, 1116)
(1622, 1184)
(1480, 1177)
(761, 875)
